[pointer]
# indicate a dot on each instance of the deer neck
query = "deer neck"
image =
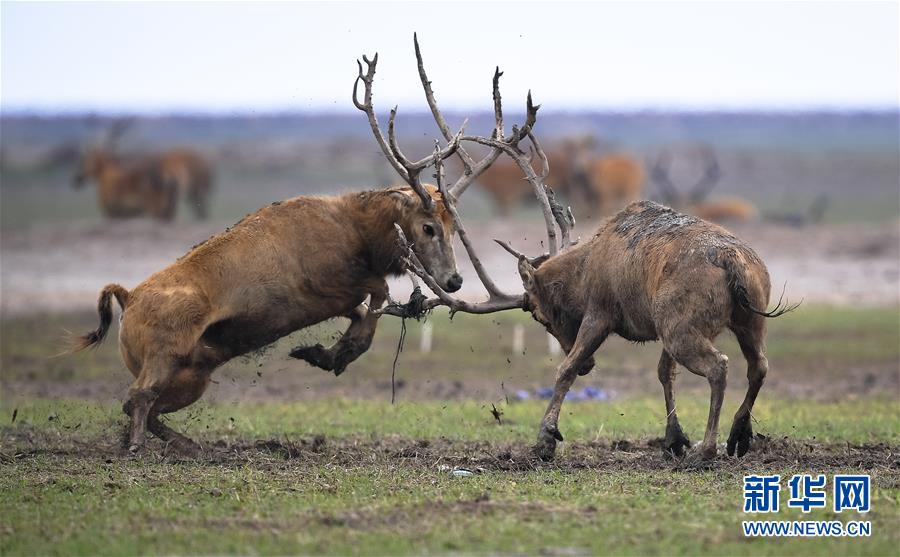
(558, 284)
(378, 212)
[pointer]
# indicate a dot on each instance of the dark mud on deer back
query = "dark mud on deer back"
(645, 220)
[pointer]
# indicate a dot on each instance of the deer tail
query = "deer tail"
(104, 308)
(737, 283)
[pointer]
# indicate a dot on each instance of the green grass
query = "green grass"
(65, 488)
(867, 420)
(130, 509)
(63, 504)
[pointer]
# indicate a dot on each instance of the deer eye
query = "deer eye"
(428, 229)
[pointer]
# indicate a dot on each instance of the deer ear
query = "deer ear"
(526, 271)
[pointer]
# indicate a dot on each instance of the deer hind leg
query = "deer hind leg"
(591, 335)
(352, 344)
(698, 355)
(676, 440)
(185, 388)
(752, 344)
(143, 394)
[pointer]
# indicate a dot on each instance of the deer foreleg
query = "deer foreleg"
(355, 341)
(591, 335)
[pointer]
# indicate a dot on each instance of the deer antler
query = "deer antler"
(115, 132)
(711, 175)
(500, 144)
(659, 172)
(407, 169)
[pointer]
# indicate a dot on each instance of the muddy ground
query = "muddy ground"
(22, 443)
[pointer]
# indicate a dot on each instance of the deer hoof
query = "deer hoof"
(676, 440)
(316, 356)
(545, 449)
(740, 437)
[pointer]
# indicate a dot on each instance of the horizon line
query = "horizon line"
(327, 112)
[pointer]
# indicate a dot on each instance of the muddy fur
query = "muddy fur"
(285, 267)
(651, 273)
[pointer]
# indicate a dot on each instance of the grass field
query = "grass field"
(363, 477)
(295, 461)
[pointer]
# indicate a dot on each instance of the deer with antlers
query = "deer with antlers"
(694, 201)
(293, 264)
(649, 273)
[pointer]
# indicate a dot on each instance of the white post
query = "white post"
(425, 339)
(518, 339)
(553, 345)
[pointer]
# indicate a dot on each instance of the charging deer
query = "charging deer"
(694, 202)
(649, 273)
(288, 266)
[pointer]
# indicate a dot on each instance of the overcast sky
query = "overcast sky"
(221, 57)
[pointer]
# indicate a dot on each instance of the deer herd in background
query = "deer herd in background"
(596, 181)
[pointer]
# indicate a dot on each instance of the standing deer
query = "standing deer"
(192, 174)
(506, 185)
(599, 182)
(694, 202)
(122, 181)
(611, 181)
(128, 188)
(288, 266)
(650, 273)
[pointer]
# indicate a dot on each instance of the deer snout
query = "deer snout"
(454, 283)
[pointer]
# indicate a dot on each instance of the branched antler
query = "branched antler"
(407, 169)
(555, 216)
(660, 173)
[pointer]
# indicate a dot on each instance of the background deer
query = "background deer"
(128, 188)
(288, 266)
(694, 200)
(597, 183)
(146, 184)
(192, 174)
(611, 181)
(506, 185)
